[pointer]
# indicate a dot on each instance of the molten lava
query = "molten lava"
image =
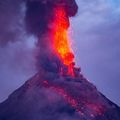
(76, 102)
(60, 37)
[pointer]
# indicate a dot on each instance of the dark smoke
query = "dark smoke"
(39, 16)
(39, 13)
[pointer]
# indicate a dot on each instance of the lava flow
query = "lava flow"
(76, 103)
(60, 37)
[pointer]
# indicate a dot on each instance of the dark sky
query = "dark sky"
(95, 34)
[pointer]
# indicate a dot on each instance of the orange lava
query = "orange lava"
(61, 41)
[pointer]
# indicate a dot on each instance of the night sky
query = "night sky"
(94, 31)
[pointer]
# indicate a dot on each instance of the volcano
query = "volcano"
(58, 91)
(51, 96)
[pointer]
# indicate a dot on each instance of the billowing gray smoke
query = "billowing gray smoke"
(39, 13)
(39, 16)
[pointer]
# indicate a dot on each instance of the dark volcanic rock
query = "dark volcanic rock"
(53, 97)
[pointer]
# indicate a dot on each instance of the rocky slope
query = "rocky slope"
(51, 96)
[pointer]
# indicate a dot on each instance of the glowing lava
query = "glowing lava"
(60, 37)
(80, 105)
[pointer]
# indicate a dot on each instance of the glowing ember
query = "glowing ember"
(60, 37)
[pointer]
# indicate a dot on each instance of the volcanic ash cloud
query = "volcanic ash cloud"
(49, 21)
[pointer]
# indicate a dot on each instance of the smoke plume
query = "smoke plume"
(40, 13)
(39, 18)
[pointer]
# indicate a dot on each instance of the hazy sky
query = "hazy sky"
(96, 43)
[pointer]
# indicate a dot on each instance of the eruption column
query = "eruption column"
(60, 37)
(49, 21)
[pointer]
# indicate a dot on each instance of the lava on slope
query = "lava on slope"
(83, 107)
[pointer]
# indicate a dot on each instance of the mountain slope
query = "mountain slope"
(50, 96)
